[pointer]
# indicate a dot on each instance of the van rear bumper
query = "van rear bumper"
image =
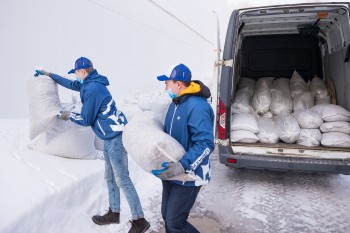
(283, 163)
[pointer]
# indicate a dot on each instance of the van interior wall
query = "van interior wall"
(335, 67)
(279, 55)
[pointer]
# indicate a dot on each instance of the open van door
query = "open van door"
(217, 71)
(224, 69)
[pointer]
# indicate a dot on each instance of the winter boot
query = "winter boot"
(139, 226)
(108, 218)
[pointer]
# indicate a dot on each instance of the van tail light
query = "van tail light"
(232, 160)
(222, 133)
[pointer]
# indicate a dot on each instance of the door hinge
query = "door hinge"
(228, 63)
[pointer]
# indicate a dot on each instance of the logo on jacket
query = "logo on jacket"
(178, 117)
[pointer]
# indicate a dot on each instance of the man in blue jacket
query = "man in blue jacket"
(190, 121)
(100, 112)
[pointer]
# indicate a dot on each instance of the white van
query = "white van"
(273, 41)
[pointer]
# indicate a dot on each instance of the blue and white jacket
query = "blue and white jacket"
(99, 109)
(190, 121)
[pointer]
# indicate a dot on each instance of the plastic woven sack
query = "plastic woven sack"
(44, 104)
(332, 112)
(309, 137)
(244, 121)
(281, 84)
(287, 128)
(149, 146)
(318, 88)
(308, 119)
(335, 139)
(248, 83)
(243, 136)
(336, 126)
(297, 85)
(51, 135)
(281, 102)
(241, 102)
(303, 101)
(261, 98)
(267, 130)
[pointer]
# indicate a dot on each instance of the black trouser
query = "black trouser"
(177, 201)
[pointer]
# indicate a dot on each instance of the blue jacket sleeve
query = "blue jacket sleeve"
(201, 137)
(89, 110)
(73, 85)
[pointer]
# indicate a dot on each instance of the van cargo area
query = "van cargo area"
(275, 41)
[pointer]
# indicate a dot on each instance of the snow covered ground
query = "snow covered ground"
(45, 193)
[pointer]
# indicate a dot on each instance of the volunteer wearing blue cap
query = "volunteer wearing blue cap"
(100, 112)
(190, 121)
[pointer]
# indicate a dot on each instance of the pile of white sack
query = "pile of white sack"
(289, 110)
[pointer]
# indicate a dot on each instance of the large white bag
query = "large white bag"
(297, 85)
(309, 137)
(149, 146)
(244, 121)
(288, 128)
(261, 98)
(243, 136)
(332, 112)
(44, 104)
(51, 135)
(267, 130)
(335, 139)
(336, 126)
(281, 102)
(303, 101)
(241, 101)
(308, 119)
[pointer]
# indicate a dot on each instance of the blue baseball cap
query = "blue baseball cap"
(177, 72)
(81, 63)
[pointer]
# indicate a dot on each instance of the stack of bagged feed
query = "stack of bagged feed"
(289, 110)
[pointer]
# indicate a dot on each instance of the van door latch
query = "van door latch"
(228, 63)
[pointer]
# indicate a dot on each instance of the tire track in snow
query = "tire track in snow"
(267, 201)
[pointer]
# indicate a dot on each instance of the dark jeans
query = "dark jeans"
(177, 201)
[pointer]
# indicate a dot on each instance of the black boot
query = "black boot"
(139, 226)
(108, 218)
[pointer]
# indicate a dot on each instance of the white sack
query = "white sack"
(243, 136)
(287, 128)
(44, 104)
(264, 82)
(335, 139)
(318, 88)
(267, 130)
(51, 135)
(303, 101)
(241, 101)
(280, 102)
(244, 121)
(66, 139)
(336, 126)
(281, 84)
(297, 85)
(309, 137)
(323, 100)
(267, 115)
(248, 83)
(308, 119)
(261, 98)
(332, 112)
(147, 143)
